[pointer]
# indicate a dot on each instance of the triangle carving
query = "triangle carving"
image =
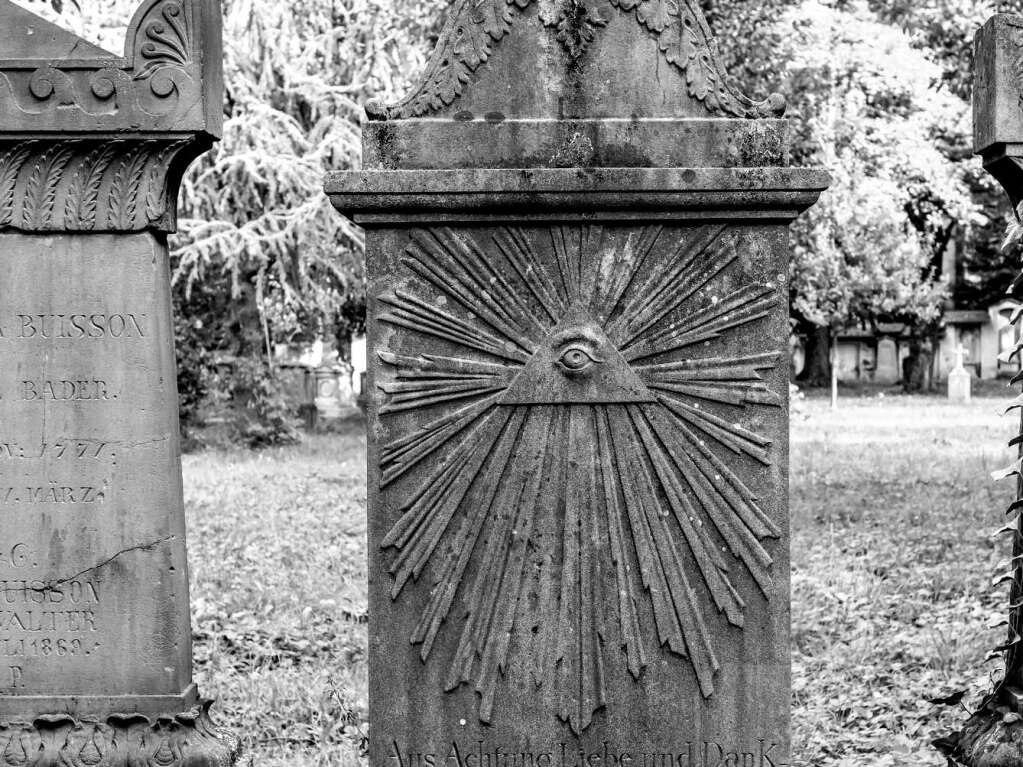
(577, 364)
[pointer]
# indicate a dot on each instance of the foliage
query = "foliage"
(945, 28)
(195, 371)
(858, 260)
(750, 41)
(260, 414)
(868, 252)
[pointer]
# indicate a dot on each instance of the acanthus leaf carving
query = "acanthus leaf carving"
(89, 184)
(475, 26)
(576, 24)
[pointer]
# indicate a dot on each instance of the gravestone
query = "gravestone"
(959, 379)
(577, 254)
(887, 371)
(95, 639)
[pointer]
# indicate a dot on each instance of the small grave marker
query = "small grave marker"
(959, 378)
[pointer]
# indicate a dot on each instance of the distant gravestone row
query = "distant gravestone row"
(578, 521)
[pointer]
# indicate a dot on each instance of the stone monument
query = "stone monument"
(577, 251)
(95, 634)
(959, 379)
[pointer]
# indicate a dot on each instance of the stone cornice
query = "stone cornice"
(771, 192)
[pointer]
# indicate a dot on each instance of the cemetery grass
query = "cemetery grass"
(893, 559)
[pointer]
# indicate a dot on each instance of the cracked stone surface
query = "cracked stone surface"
(93, 577)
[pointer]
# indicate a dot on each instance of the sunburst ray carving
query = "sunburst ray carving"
(573, 489)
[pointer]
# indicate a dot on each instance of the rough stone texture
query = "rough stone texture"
(95, 640)
(578, 531)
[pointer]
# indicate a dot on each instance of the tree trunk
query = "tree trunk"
(817, 370)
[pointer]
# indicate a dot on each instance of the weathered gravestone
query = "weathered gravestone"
(577, 253)
(960, 382)
(95, 650)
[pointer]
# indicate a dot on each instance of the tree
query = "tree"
(870, 251)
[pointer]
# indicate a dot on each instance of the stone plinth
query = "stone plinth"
(95, 639)
(577, 251)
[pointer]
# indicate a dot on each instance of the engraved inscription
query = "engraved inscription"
(48, 620)
(762, 753)
(47, 326)
(586, 450)
(52, 493)
(16, 556)
(76, 459)
(61, 449)
(77, 390)
(14, 678)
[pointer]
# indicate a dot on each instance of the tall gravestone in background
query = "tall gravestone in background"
(577, 251)
(95, 641)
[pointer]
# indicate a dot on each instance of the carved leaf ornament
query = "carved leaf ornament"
(569, 484)
(87, 184)
(475, 26)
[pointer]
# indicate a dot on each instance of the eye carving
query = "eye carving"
(577, 358)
